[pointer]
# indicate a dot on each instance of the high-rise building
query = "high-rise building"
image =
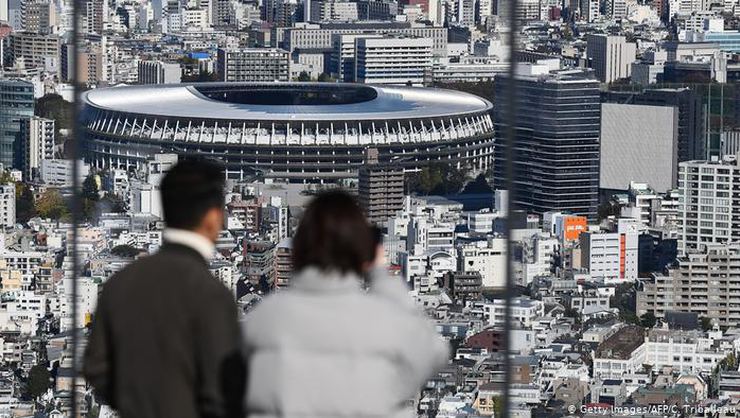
(40, 16)
(34, 50)
(380, 188)
(709, 203)
(590, 10)
(616, 9)
(7, 205)
(253, 64)
(288, 12)
(611, 56)
(556, 144)
(283, 269)
(464, 13)
(393, 60)
(223, 14)
(38, 144)
(92, 63)
(158, 72)
(95, 12)
(4, 12)
(691, 135)
(703, 282)
(16, 14)
(16, 104)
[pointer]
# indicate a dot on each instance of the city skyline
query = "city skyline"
(603, 282)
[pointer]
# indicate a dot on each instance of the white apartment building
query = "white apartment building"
(709, 203)
(158, 72)
(432, 265)
(616, 9)
(611, 56)
(194, 18)
(481, 222)
(592, 13)
(612, 256)
(487, 258)
(537, 257)
(87, 301)
(38, 134)
(523, 310)
(393, 60)
(312, 36)
(7, 205)
(118, 182)
(427, 235)
(27, 303)
(687, 352)
(57, 172)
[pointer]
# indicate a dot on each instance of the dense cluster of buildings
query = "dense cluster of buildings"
(619, 241)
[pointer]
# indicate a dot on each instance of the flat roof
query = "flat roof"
(192, 101)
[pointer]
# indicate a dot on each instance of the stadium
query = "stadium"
(297, 132)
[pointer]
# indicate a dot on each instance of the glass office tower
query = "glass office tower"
(16, 103)
(556, 144)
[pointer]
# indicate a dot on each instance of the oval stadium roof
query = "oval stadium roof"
(285, 101)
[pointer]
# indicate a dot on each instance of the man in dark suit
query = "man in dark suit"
(165, 341)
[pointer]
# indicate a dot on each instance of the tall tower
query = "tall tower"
(556, 144)
(380, 188)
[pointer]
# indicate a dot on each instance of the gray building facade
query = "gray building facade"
(638, 143)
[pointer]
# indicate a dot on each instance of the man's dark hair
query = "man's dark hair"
(189, 190)
(333, 235)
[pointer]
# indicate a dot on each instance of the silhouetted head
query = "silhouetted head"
(193, 197)
(334, 235)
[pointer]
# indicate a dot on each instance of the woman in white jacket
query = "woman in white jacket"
(326, 347)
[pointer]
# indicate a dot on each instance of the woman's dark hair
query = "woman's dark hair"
(189, 190)
(333, 235)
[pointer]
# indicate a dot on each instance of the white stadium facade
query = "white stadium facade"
(298, 132)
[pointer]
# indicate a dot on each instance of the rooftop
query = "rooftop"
(621, 345)
(286, 101)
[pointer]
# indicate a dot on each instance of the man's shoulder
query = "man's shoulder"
(161, 265)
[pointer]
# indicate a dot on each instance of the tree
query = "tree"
(6, 178)
(648, 320)
(706, 323)
(90, 188)
(608, 209)
(125, 251)
(437, 178)
(478, 186)
(24, 203)
(304, 76)
(90, 197)
(326, 78)
(39, 381)
(498, 406)
(51, 205)
(53, 106)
